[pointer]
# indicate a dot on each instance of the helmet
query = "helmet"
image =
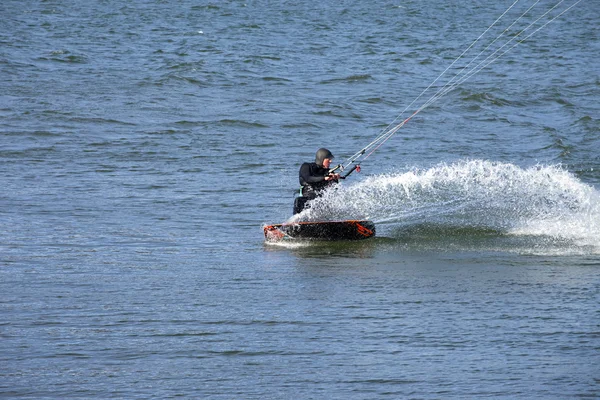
(322, 154)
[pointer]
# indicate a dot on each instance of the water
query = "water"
(144, 145)
(548, 205)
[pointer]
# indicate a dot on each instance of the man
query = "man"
(315, 178)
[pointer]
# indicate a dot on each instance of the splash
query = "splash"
(476, 196)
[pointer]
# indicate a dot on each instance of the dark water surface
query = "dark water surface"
(143, 145)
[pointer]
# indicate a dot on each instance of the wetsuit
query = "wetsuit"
(312, 179)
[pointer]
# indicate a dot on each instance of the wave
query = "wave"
(485, 97)
(65, 56)
(348, 79)
(473, 198)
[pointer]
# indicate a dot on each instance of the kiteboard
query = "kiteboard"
(326, 230)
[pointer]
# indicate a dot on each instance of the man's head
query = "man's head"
(323, 157)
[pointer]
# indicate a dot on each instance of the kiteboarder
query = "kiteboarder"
(315, 178)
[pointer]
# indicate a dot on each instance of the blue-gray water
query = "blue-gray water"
(144, 144)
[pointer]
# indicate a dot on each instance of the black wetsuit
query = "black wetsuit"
(312, 179)
(312, 182)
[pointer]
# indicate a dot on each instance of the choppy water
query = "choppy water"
(144, 145)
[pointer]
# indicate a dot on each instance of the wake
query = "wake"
(472, 195)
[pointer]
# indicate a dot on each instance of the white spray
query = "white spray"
(542, 201)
